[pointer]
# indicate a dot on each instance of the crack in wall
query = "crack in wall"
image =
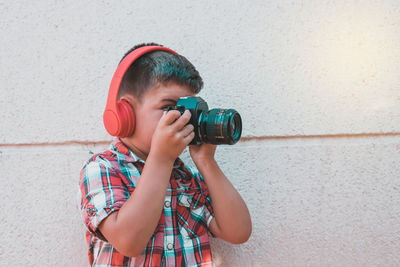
(243, 139)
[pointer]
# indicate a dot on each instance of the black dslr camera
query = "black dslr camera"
(215, 126)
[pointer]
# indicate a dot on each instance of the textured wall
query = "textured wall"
(317, 86)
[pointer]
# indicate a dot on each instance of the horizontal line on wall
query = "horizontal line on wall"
(65, 143)
(243, 139)
(317, 136)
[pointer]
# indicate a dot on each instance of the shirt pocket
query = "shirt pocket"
(190, 211)
(185, 199)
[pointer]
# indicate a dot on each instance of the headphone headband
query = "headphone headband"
(114, 121)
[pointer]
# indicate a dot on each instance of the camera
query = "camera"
(215, 126)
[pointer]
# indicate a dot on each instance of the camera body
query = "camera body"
(215, 126)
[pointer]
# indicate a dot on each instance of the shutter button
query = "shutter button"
(170, 246)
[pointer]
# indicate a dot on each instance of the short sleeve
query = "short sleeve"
(103, 191)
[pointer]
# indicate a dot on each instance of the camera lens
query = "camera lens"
(220, 126)
(235, 126)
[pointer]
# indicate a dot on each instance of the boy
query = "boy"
(142, 206)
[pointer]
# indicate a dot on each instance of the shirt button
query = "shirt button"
(170, 246)
(167, 204)
(91, 211)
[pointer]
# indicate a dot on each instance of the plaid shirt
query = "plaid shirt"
(181, 238)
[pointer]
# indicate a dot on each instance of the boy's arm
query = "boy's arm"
(130, 229)
(231, 221)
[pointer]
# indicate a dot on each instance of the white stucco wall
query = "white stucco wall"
(316, 83)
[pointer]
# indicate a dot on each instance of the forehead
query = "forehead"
(170, 92)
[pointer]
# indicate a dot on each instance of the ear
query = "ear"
(127, 116)
(133, 102)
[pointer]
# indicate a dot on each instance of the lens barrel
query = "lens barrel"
(215, 126)
(220, 126)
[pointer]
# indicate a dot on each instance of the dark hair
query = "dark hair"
(158, 67)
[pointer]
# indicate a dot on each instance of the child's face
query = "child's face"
(148, 112)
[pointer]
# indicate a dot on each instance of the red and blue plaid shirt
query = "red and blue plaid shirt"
(181, 238)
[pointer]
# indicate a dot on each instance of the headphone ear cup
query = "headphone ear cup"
(127, 118)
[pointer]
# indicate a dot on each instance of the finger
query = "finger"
(170, 116)
(183, 120)
(188, 129)
(188, 138)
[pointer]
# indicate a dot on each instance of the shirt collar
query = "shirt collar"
(124, 154)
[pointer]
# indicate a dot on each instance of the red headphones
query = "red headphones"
(119, 117)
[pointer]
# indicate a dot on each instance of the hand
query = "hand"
(172, 134)
(203, 152)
